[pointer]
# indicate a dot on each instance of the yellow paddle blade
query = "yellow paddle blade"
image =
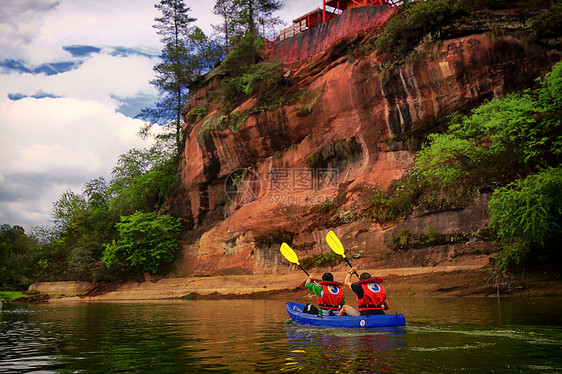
(335, 243)
(289, 253)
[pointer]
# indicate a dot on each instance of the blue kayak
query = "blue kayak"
(296, 314)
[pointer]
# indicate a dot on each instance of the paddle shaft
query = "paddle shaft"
(304, 270)
(349, 263)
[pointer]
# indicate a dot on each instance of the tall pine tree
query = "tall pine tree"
(243, 18)
(256, 14)
(227, 28)
(174, 73)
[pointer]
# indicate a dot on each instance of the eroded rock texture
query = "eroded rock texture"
(356, 127)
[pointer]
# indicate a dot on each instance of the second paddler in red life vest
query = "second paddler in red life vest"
(329, 293)
(371, 295)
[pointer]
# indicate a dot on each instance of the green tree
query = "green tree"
(83, 223)
(207, 52)
(529, 211)
(227, 28)
(143, 180)
(16, 257)
(174, 73)
(253, 14)
(146, 241)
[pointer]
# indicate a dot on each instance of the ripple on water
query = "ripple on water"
(533, 337)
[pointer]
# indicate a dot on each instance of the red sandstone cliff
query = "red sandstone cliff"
(356, 128)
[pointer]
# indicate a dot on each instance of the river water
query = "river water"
(442, 335)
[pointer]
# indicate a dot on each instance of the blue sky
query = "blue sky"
(73, 74)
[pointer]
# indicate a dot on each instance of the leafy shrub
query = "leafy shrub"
(306, 101)
(146, 241)
(259, 78)
(197, 112)
(529, 210)
(248, 76)
(322, 260)
(382, 209)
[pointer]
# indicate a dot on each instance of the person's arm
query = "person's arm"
(358, 290)
(386, 305)
(347, 280)
(314, 288)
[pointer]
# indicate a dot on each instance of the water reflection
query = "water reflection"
(365, 350)
(244, 336)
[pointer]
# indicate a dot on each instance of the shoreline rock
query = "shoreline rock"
(441, 281)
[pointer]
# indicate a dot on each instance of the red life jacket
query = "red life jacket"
(374, 294)
(332, 295)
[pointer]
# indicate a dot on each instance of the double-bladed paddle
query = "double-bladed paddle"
(291, 256)
(336, 245)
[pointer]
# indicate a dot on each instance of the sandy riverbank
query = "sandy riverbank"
(468, 280)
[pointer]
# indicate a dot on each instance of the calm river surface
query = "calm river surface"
(443, 335)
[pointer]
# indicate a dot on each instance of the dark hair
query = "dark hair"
(365, 276)
(328, 277)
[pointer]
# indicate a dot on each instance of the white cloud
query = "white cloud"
(50, 145)
(20, 24)
(47, 135)
(37, 34)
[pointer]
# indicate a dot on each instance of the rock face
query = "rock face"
(248, 189)
(61, 289)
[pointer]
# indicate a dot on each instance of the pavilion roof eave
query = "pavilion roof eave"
(319, 10)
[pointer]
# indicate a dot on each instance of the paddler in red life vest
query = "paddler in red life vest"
(371, 296)
(329, 293)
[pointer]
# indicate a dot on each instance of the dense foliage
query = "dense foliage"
(527, 216)
(240, 18)
(143, 180)
(146, 241)
(17, 257)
